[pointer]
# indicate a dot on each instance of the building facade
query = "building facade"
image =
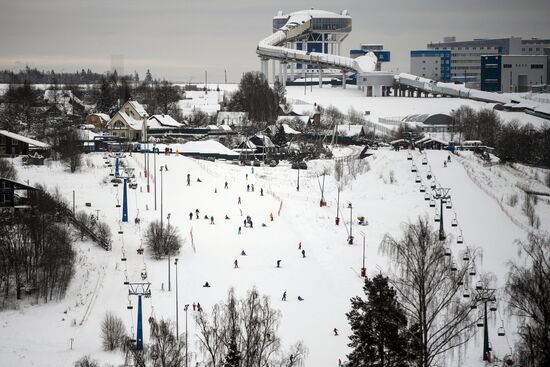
(432, 64)
(466, 55)
(513, 73)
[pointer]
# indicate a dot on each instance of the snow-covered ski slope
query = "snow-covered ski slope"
(298, 25)
(39, 335)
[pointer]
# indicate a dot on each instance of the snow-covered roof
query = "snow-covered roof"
(138, 107)
(437, 140)
(303, 119)
(24, 139)
(398, 141)
(162, 122)
(205, 147)
(315, 13)
(349, 130)
(130, 121)
(102, 116)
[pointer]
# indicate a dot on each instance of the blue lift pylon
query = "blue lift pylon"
(116, 168)
(139, 289)
(139, 336)
(125, 202)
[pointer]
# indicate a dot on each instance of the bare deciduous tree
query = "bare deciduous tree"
(431, 290)
(528, 290)
(248, 327)
(113, 332)
(162, 240)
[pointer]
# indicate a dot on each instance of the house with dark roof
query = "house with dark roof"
(12, 144)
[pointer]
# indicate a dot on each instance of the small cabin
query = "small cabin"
(16, 195)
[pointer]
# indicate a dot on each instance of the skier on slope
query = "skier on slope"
(284, 296)
(303, 253)
(335, 332)
(226, 186)
(190, 215)
(188, 179)
(278, 263)
(236, 263)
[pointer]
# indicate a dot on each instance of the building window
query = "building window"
(537, 66)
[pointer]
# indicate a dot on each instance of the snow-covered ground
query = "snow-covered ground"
(40, 335)
(390, 106)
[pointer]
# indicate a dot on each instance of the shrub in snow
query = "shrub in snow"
(104, 233)
(528, 209)
(392, 177)
(86, 361)
(162, 240)
(113, 332)
(513, 200)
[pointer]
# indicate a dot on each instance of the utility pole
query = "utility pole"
(350, 224)
(155, 176)
(186, 358)
(298, 182)
(73, 204)
(363, 268)
(338, 207)
(177, 314)
(225, 75)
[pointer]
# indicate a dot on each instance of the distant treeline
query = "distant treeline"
(35, 76)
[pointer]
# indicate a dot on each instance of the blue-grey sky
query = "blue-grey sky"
(179, 39)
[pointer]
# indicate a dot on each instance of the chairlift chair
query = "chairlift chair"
(460, 282)
(460, 239)
(480, 323)
(417, 179)
(453, 266)
(433, 185)
(447, 251)
(115, 185)
(493, 306)
(427, 196)
(432, 203)
(472, 271)
(424, 161)
(140, 251)
(473, 306)
(466, 256)
(409, 157)
(466, 293)
(449, 204)
(437, 218)
(454, 222)
(479, 285)
(501, 331)
(123, 258)
(129, 307)
(143, 274)
(126, 282)
(413, 168)
(422, 188)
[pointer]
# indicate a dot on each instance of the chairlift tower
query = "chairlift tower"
(486, 295)
(139, 290)
(442, 194)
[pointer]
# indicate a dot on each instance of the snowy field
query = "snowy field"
(390, 106)
(40, 335)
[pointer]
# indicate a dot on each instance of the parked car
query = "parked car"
(273, 163)
(256, 163)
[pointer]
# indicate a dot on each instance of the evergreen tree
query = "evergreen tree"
(148, 78)
(280, 136)
(256, 97)
(379, 326)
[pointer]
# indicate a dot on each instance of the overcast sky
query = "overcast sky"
(179, 39)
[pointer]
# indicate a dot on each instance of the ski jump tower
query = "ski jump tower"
(308, 42)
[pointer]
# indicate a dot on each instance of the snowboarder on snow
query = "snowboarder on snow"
(261, 192)
(300, 245)
(206, 285)
(188, 179)
(190, 215)
(247, 187)
(199, 307)
(239, 230)
(300, 298)
(278, 263)
(194, 306)
(444, 163)
(239, 201)
(211, 219)
(284, 296)
(197, 213)
(252, 187)
(236, 263)
(303, 253)
(226, 217)
(271, 216)
(243, 253)
(335, 332)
